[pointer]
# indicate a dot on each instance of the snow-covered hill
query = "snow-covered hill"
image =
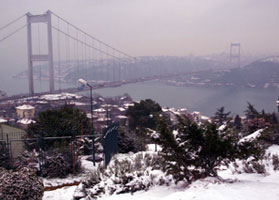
(242, 186)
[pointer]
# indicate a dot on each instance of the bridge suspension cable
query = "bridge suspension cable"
(12, 33)
(103, 43)
(83, 43)
(12, 22)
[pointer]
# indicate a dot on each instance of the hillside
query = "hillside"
(240, 185)
(109, 70)
(259, 74)
(2, 94)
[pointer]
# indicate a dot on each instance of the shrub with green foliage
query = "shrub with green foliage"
(129, 141)
(197, 151)
(142, 114)
(138, 172)
(21, 184)
(57, 163)
(275, 162)
(65, 121)
(60, 163)
(221, 116)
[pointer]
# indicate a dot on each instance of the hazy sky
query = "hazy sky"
(165, 27)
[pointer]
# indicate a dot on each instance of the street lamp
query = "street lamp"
(84, 82)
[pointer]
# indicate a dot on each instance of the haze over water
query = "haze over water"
(203, 99)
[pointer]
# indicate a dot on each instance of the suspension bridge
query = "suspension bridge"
(61, 53)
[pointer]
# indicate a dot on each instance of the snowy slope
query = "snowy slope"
(243, 187)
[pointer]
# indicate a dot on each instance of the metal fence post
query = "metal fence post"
(8, 151)
(41, 153)
(73, 152)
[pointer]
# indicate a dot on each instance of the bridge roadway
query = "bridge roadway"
(95, 86)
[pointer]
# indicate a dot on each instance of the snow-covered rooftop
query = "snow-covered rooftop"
(25, 107)
(41, 102)
(205, 118)
(103, 119)
(78, 103)
(62, 96)
(88, 115)
(126, 105)
(2, 120)
(274, 59)
(25, 121)
(121, 109)
(100, 110)
(122, 117)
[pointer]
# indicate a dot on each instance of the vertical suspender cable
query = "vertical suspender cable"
(68, 51)
(82, 58)
(39, 50)
(77, 49)
(107, 63)
(101, 62)
(85, 57)
(69, 45)
(58, 54)
(113, 66)
(92, 60)
(119, 68)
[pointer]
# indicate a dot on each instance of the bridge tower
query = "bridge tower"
(44, 18)
(235, 55)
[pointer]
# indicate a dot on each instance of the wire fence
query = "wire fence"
(13, 149)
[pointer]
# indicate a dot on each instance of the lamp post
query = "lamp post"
(277, 103)
(84, 82)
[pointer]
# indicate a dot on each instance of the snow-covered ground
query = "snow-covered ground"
(65, 193)
(243, 187)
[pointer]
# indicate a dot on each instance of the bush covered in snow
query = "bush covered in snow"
(139, 172)
(27, 159)
(196, 151)
(60, 163)
(21, 184)
(129, 141)
(265, 165)
(4, 161)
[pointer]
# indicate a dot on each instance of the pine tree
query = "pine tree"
(237, 123)
(221, 116)
(177, 158)
(251, 112)
(196, 151)
(142, 114)
(65, 121)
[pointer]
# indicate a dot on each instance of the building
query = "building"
(23, 123)
(122, 120)
(196, 116)
(25, 111)
(11, 133)
(3, 121)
